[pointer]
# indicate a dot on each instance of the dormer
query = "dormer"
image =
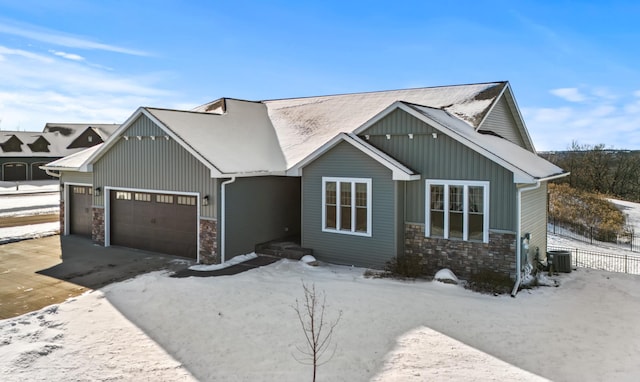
(88, 138)
(12, 145)
(40, 145)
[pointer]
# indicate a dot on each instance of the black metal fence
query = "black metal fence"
(591, 235)
(624, 263)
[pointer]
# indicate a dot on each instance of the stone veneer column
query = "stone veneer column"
(209, 241)
(97, 225)
(464, 258)
(61, 217)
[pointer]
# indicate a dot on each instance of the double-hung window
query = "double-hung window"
(457, 210)
(346, 205)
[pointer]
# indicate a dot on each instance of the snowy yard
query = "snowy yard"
(243, 328)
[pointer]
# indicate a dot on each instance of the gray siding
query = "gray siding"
(500, 121)
(76, 177)
(442, 158)
(258, 210)
(153, 164)
(534, 219)
(345, 161)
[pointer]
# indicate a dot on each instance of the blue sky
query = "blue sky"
(573, 65)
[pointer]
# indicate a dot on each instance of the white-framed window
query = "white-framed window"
(346, 205)
(457, 209)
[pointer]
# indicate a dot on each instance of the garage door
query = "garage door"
(14, 171)
(80, 200)
(37, 173)
(154, 222)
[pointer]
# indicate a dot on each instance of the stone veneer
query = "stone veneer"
(464, 258)
(62, 217)
(97, 225)
(209, 242)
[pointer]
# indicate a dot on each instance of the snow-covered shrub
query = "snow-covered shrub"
(446, 276)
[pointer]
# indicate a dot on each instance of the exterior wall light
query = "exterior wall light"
(434, 135)
(98, 191)
(205, 200)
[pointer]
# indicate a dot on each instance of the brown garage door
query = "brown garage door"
(80, 200)
(37, 173)
(154, 222)
(14, 171)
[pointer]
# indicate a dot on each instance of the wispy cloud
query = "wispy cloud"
(569, 94)
(61, 39)
(601, 117)
(68, 56)
(58, 87)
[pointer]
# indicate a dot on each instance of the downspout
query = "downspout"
(519, 213)
(519, 235)
(223, 198)
(50, 173)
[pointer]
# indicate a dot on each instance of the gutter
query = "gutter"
(223, 198)
(519, 233)
(50, 173)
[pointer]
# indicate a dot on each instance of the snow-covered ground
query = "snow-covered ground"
(243, 328)
(32, 198)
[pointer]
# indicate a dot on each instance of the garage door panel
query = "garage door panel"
(154, 222)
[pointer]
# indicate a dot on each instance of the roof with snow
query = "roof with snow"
(55, 141)
(275, 137)
(74, 161)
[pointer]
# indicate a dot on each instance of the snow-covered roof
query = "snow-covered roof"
(59, 137)
(240, 141)
(526, 166)
(305, 124)
(75, 161)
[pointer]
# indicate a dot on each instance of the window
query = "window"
(168, 199)
(79, 190)
(346, 204)
(122, 195)
(187, 200)
(142, 197)
(457, 210)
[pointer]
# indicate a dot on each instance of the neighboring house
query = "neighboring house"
(449, 173)
(22, 153)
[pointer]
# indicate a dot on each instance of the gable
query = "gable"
(88, 138)
(13, 144)
(500, 121)
(40, 145)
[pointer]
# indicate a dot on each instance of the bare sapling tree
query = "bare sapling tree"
(318, 330)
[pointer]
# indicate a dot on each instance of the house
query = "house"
(22, 153)
(449, 173)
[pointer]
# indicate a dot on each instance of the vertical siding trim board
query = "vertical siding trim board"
(107, 210)
(65, 228)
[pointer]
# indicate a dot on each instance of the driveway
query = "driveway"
(40, 272)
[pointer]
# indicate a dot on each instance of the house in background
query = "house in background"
(22, 153)
(449, 173)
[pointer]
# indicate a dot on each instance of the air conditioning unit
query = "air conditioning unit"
(561, 260)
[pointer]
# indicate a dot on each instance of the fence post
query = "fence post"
(625, 263)
(591, 234)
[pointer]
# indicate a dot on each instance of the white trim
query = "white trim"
(66, 197)
(398, 170)
(465, 200)
(222, 227)
(107, 210)
(352, 181)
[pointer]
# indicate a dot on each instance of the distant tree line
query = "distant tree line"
(596, 169)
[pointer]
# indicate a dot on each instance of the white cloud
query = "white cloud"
(37, 89)
(569, 94)
(58, 38)
(68, 56)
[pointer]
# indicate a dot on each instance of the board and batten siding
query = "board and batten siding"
(153, 164)
(500, 121)
(534, 220)
(442, 158)
(344, 160)
(260, 209)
